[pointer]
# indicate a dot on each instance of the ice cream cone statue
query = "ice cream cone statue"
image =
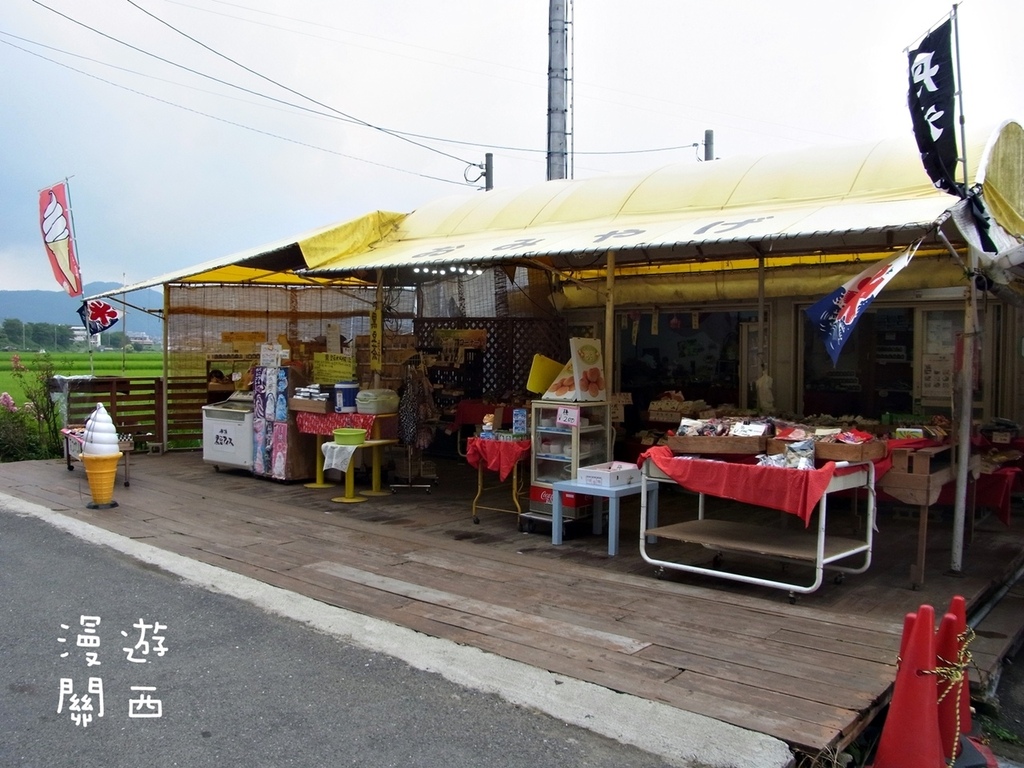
(57, 236)
(100, 455)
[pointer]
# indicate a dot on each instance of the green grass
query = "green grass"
(134, 364)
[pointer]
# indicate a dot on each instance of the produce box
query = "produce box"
(869, 451)
(609, 475)
(725, 444)
(308, 405)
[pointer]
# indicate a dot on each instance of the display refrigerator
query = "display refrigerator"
(280, 451)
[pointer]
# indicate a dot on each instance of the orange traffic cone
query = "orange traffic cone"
(958, 607)
(910, 736)
(947, 655)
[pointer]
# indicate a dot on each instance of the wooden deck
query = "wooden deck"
(812, 674)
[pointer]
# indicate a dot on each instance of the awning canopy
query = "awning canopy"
(283, 262)
(823, 203)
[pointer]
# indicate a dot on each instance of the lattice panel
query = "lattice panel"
(511, 345)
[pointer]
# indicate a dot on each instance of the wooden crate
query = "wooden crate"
(717, 445)
(923, 461)
(306, 405)
(870, 451)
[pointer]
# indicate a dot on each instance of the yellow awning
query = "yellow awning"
(864, 200)
(282, 262)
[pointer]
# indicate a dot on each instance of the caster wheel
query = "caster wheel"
(716, 561)
(216, 468)
(476, 520)
(126, 483)
(428, 491)
(70, 468)
(529, 527)
(792, 598)
(839, 578)
(659, 574)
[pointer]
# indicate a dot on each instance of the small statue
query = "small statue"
(487, 432)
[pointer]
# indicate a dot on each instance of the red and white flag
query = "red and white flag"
(55, 224)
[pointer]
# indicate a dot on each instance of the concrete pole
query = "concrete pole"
(963, 428)
(557, 90)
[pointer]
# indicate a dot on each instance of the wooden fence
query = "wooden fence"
(136, 407)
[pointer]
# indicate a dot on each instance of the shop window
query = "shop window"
(696, 353)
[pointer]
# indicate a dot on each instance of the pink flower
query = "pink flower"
(7, 402)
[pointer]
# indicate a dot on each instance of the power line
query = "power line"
(218, 80)
(226, 121)
(335, 113)
(289, 89)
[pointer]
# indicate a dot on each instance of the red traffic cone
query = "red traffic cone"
(958, 607)
(947, 655)
(910, 736)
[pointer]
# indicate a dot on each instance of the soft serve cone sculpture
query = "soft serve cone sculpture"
(57, 237)
(100, 454)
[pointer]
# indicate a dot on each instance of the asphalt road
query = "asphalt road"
(237, 684)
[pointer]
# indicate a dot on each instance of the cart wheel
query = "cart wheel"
(659, 573)
(716, 561)
(839, 578)
(476, 520)
(216, 468)
(428, 491)
(792, 598)
(70, 468)
(126, 483)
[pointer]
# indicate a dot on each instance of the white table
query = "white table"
(614, 494)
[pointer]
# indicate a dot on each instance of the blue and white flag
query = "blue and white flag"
(97, 316)
(836, 314)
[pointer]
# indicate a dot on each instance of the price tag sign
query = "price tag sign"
(568, 416)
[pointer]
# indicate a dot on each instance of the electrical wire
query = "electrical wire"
(334, 114)
(288, 88)
(231, 122)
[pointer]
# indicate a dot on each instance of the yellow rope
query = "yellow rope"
(954, 673)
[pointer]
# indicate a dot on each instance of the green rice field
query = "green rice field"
(134, 364)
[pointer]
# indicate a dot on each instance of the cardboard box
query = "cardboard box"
(307, 405)
(570, 500)
(609, 475)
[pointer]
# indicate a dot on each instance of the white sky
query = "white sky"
(156, 187)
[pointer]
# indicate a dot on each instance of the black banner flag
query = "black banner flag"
(932, 106)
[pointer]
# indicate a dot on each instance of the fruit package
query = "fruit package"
(582, 378)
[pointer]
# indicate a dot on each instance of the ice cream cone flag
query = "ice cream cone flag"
(55, 224)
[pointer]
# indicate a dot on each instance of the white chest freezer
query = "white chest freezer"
(227, 432)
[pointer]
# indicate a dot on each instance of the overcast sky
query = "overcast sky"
(170, 167)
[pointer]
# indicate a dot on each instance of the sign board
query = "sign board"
(376, 341)
(568, 416)
(330, 368)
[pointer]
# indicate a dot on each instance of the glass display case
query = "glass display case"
(565, 437)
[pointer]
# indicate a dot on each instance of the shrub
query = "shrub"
(19, 432)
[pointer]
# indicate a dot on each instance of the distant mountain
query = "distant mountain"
(59, 308)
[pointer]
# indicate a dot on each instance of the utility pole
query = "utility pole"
(557, 90)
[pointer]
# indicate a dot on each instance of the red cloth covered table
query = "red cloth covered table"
(796, 491)
(499, 456)
(325, 423)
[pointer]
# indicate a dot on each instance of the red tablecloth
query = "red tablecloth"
(496, 455)
(796, 491)
(326, 423)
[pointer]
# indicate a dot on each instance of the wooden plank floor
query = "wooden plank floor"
(812, 674)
